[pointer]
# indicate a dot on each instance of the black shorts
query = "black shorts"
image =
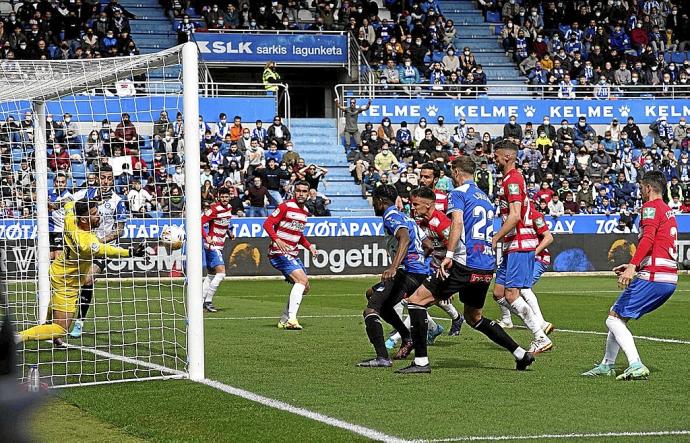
(470, 284)
(390, 293)
(56, 241)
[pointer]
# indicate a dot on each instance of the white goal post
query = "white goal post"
(145, 322)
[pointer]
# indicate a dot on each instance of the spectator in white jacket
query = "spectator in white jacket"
(140, 200)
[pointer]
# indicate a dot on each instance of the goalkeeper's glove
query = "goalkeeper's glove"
(138, 250)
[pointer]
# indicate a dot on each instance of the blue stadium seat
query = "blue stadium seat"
(170, 169)
(78, 170)
(678, 57)
(493, 17)
(648, 141)
(498, 29)
(667, 57)
(676, 153)
(147, 156)
(563, 29)
(437, 56)
(17, 155)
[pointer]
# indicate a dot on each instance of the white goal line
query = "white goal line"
(559, 436)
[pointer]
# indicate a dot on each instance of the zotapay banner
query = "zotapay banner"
(283, 48)
(497, 111)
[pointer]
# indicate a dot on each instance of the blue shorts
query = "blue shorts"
(642, 297)
(286, 265)
(516, 270)
(214, 257)
(539, 269)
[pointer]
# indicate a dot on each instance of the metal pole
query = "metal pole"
(195, 315)
(42, 227)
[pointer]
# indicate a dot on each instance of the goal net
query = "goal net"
(96, 130)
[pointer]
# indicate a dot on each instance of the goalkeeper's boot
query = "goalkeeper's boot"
(636, 371)
(456, 325)
(600, 370)
(208, 307)
(77, 329)
(378, 362)
(293, 325)
(282, 324)
(431, 335)
(415, 369)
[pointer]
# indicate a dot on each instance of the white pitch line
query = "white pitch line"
(325, 419)
(570, 331)
(559, 436)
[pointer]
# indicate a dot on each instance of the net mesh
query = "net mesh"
(135, 324)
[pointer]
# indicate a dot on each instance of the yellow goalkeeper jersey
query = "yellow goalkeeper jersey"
(71, 267)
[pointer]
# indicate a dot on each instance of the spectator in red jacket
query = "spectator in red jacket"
(685, 207)
(545, 193)
(58, 160)
(126, 134)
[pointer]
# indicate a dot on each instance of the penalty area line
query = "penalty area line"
(559, 436)
(568, 331)
(325, 419)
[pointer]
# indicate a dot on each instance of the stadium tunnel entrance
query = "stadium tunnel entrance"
(311, 88)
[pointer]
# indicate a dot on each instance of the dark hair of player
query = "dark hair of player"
(105, 168)
(423, 192)
(301, 183)
(506, 144)
(464, 164)
(656, 180)
(83, 207)
(385, 193)
(223, 191)
(431, 167)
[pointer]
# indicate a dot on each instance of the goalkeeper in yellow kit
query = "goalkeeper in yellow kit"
(71, 267)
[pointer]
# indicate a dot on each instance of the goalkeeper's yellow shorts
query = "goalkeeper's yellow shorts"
(64, 297)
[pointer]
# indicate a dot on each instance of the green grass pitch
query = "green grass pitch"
(473, 391)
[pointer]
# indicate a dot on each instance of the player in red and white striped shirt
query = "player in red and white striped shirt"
(542, 261)
(218, 218)
(655, 262)
(285, 226)
(428, 176)
(516, 270)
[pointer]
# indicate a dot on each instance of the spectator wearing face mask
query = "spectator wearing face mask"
(256, 196)
(442, 132)
(409, 75)
(385, 130)
(512, 130)
(384, 159)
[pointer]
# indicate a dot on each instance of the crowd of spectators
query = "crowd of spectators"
(60, 30)
(569, 167)
(595, 48)
(257, 164)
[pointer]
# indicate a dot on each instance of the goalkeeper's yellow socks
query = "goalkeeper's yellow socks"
(43, 332)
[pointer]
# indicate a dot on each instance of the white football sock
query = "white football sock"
(406, 321)
(612, 348)
(448, 307)
(296, 295)
(432, 326)
(213, 287)
(204, 287)
(506, 309)
(624, 338)
(399, 309)
(533, 303)
(421, 361)
(525, 313)
(284, 316)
